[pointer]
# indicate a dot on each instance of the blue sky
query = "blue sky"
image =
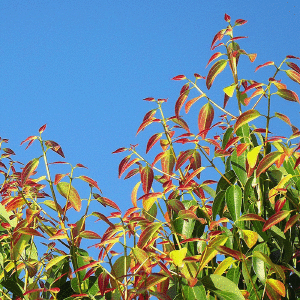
(83, 67)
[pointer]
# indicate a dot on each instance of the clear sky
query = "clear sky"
(83, 67)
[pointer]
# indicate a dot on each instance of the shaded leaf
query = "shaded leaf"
(233, 198)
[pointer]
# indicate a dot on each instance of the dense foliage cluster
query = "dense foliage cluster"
(235, 236)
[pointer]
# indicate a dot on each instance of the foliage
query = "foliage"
(185, 237)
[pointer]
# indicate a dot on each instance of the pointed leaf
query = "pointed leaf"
(213, 57)
(269, 63)
(252, 156)
(90, 181)
(88, 234)
(29, 170)
(55, 147)
(250, 237)
(267, 161)
(55, 261)
(246, 117)
(147, 177)
(189, 104)
(233, 198)
(70, 193)
(148, 233)
(216, 69)
(288, 95)
(134, 194)
(229, 90)
(295, 76)
(167, 162)
(153, 140)
(291, 222)
(277, 286)
(283, 117)
(179, 77)
(180, 102)
(276, 218)
(183, 157)
(205, 119)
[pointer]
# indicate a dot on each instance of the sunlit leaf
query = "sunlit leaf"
(213, 57)
(292, 221)
(276, 218)
(29, 170)
(288, 95)
(283, 118)
(147, 176)
(216, 69)
(134, 194)
(295, 76)
(250, 237)
(252, 156)
(178, 256)
(88, 234)
(246, 117)
(54, 261)
(189, 104)
(148, 233)
(180, 101)
(224, 265)
(277, 286)
(183, 157)
(142, 258)
(267, 161)
(70, 193)
(153, 140)
(90, 181)
(205, 118)
(269, 63)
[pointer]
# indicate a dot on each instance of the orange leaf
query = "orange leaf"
(246, 117)
(216, 69)
(205, 118)
(267, 161)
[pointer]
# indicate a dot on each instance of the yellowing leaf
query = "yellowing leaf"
(70, 193)
(252, 156)
(277, 285)
(148, 202)
(178, 256)
(55, 261)
(229, 90)
(224, 265)
(246, 117)
(250, 237)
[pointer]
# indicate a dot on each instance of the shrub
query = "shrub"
(235, 236)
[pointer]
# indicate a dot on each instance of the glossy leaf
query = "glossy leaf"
(54, 261)
(233, 198)
(292, 221)
(267, 161)
(216, 69)
(29, 170)
(277, 286)
(142, 258)
(134, 194)
(288, 95)
(252, 156)
(177, 256)
(153, 140)
(295, 76)
(179, 103)
(55, 147)
(245, 118)
(205, 119)
(147, 177)
(70, 193)
(276, 218)
(183, 157)
(88, 234)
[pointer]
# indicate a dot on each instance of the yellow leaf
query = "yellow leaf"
(178, 256)
(147, 203)
(252, 156)
(224, 265)
(229, 90)
(277, 285)
(250, 237)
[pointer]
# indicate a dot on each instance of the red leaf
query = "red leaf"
(198, 76)
(147, 177)
(55, 147)
(269, 63)
(238, 38)
(217, 37)
(179, 103)
(131, 173)
(216, 69)
(119, 150)
(157, 158)
(181, 123)
(90, 265)
(291, 222)
(239, 22)
(153, 140)
(59, 177)
(91, 235)
(90, 181)
(183, 157)
(267, 161)
(231, 142)
(42, 129)
(276, 218)
(167, 162)
(213, 57)
(205, 118)
(105, 201)
(145, 124)
(293, 66)
(8, 151)
(149, 99)
(234, 253)
(227, 18)
(252, 86)
(295, 76)
(191, 102)
(29, 170)
(179, 77)
(30, 231)
(81, 166)
(192, 175)
(122, 165)
(292, 56)
(30, 138)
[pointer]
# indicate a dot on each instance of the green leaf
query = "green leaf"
(238, 164)
(218, 204)
(259, 266)
(216, 69)
(120, 268)
(12, 286)
(222, 287)
(205, 118)
(195, 292)
(233, 198)
(246, 117)
(70, 193)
